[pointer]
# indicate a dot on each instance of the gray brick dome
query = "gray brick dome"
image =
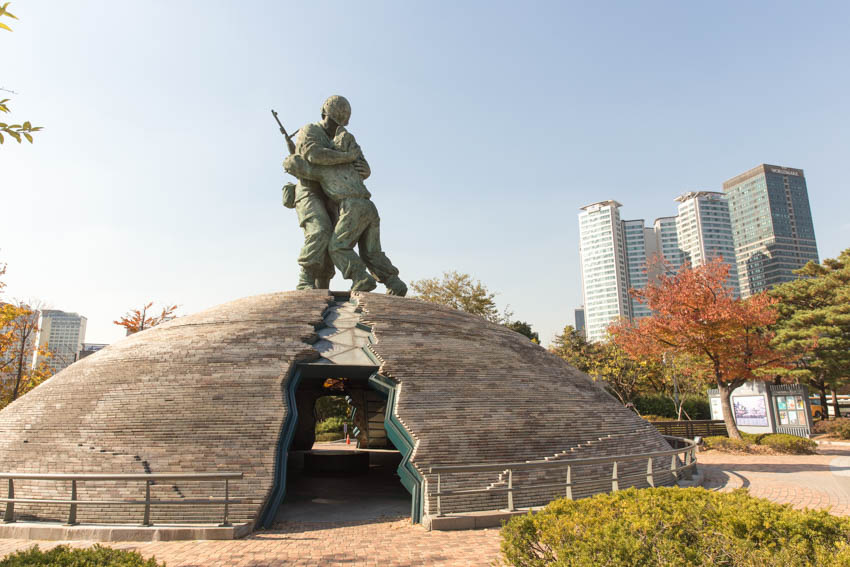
(208, 393)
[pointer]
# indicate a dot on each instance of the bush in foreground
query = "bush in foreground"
(64, 556)
(776, 442)
(675, 527)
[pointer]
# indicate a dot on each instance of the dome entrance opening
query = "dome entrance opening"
(327, 479)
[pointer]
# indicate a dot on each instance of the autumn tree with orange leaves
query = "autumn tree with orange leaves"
(18, 329)
(696, 316)
(138, 319)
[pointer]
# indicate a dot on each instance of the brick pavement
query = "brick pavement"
(804, 481)
(382, 544)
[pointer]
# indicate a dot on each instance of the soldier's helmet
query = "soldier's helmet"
(338, 109)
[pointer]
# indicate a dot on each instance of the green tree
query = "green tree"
(523, 328)
(574, 348)
(814, 324)
(16, 131)
(625, 376)
(460, 291)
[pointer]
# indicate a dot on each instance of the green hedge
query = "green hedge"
(330, 425)
(65, 556)
(779, 442)
(656, 405)
(675, 527)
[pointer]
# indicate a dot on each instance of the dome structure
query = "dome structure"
(230, 389)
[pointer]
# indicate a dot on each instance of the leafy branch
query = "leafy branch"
(16, 131)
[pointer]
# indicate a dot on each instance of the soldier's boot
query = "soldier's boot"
(363, 282)
(323, 283)
(305, 281)
(395, 286)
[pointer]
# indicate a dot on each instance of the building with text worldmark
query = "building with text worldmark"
(772, 225)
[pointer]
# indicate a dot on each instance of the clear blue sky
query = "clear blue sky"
(487, 125)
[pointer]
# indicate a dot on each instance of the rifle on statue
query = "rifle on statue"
(289, 141)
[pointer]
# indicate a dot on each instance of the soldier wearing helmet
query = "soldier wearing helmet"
(317, 215)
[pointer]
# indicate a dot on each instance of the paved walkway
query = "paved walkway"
(384, 544)
(815, 481)
(804, 481)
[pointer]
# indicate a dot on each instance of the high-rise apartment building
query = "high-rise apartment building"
(704, 231)
(641, 248)
(605, 287)
(667, 237)
(63, 334)
(772, 225)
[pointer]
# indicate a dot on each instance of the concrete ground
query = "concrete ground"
(818, 481)
(378, 495)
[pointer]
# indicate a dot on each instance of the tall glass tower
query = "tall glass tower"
(772, 225)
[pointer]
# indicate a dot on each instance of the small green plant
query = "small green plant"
(726, 444)
(65, 556)
(657, 527)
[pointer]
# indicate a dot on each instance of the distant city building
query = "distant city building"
(704, 231)
(63, 334)
(772, 225)
(605, 286)
(641, 246)
(90, 348)
(667, 238)
(579, 318)
(761, 226)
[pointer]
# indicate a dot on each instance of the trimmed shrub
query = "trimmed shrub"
(662, 406)
(697, 408)
(65, 556)
(655, 405)
(839, 427)
(675, 527)
(726, 444)
(330, 425)
(790, 444)
(778, 442)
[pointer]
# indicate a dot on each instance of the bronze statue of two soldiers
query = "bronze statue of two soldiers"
(334, 207)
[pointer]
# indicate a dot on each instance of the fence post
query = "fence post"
(224, 522)
(650, 479)
(147, 519)
(510, 490)
(615, 483)
(9, 515)
(673, 470)
(570, 482)
(72, 513)
(439, 497)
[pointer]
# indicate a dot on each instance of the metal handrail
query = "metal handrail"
(73, 501)
(688, 450)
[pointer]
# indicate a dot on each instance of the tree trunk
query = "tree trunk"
(823, 403)
(726, 405)
(835, 405)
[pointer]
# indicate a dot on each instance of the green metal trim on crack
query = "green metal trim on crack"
(287, 432)
(398, 436)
